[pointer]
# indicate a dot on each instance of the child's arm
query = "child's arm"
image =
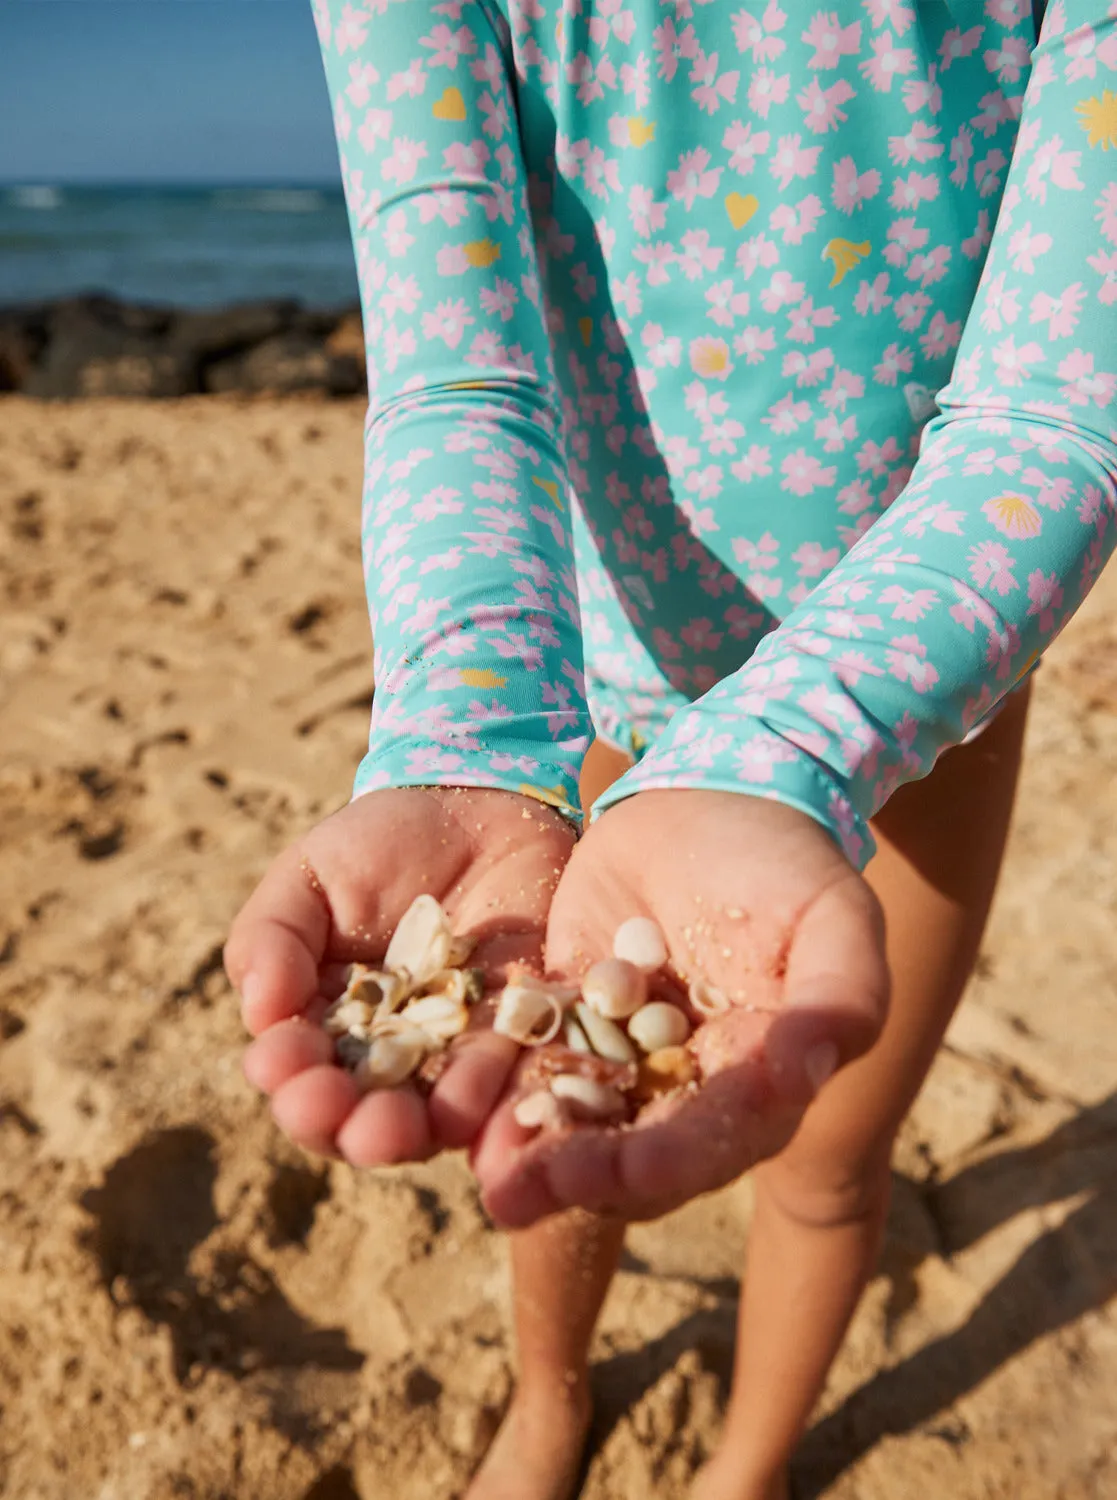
(948, 601)
(467, 541)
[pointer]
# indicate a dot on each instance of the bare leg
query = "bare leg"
(561, 1271)
(821, 1205)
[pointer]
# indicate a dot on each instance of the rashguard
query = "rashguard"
(742, 380)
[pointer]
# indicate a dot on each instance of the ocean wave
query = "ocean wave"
(35, 197)
(272, 200)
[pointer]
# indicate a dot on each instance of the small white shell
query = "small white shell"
(640, 941)
(614, 988)
(606, 1039)
(372, 987)
(706, 999)
(451, 984)
(440, 1016)
(658, 1025)
(460, 949)
(422, 942)
(344, 1014)
(392, 1058)
(530, 1014)
(540, 1110)
(587, 1100)
(573, 1035)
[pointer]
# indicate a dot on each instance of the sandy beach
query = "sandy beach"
(189, 1308)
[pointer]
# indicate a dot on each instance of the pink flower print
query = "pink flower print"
(803, 473)
(930, 266)
(448, 322)
(756, 464)
(910, 191)
(848, 625)
(791, 159)
(971, 609)
(1106, 216)
(1002, 307)
(648, 216)
(922, 94)
(1105, 264)
(754, 344)
(403, 161)
(1014, 363)
(907, 661)
(744, 146)
(1009, 60)
(439, 501)
(757, 557)
(1044, 598)
(804, 319)
(814, 560)
(758, 35)
(495, 111)
(727, 303)
(1061, 312)
(903, 238)
(1006, 12)
(807, 369)
(844, 387)
(995, 110)
(500, 299)
(376, 126)
(710, 91)
(396, 237)
(1051, 493)
(757, 759)
(659, 258)
(362, 75)
(831, 41)
(822, 108)
(352, 29)
(795, 223)
(662, 349)
(786, 415)
(758, 250)
(1013, 516)
(400, 294)
(698, 256)
(941, 336)
(767, 88)
(700, 635)
(611, 19)
(919, 145)
(887, 62)
(709, 357)
(634, 80)
(961, 154)
(672, 47)
(782, 291)
(896, 360)
(957, 43)
(835, 433)
(851, 665)
(910, 604)
(447, 44)
(850, 188)
(911, 309)
(898, 13)
(1083, 384)
(1051, 164)
(1000, 647)
(872, 296)
(397, 346)
(411, 82)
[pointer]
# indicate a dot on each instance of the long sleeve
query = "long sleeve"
(946, 603)
(467, 528)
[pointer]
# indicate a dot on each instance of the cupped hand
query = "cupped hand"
(755, 899)
(492, 858)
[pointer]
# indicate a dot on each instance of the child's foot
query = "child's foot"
(718, 1481)
(537, 1453)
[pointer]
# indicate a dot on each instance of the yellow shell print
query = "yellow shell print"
(549, 487)
(844, 255)
(709, 357)
(481, 253)
(451, 106)
(640, 132)
(740, 207)
(480, 677)
(1099, 120)
(1013, 516)
(553, 796)
(585, 328)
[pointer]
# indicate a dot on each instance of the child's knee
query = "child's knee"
(823, 1188)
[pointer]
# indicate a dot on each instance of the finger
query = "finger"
(836, 989)
(276, 944)
(283, 1051)
(387, 1126)
(462, 1099)
(312, 1106)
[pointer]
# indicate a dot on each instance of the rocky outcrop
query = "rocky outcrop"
(96, 346)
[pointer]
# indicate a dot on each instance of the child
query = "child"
(742, 388)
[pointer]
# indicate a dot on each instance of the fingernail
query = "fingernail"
(250, 992)
(820, 1063)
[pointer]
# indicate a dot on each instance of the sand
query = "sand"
(190, 1308)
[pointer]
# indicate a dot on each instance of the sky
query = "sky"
(162, 91)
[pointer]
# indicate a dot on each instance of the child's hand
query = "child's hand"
(754, 898)
(492, 858)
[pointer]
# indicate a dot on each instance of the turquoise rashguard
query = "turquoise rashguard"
(742, 379)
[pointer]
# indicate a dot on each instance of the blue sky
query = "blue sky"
(162, 90)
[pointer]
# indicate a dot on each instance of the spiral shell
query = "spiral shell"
(707, 999)
(530, 1014)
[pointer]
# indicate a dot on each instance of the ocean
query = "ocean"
(186, 246)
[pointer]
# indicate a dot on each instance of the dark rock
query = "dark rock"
(220, 332)
(98, 347)
(23, 337)
(287, 363)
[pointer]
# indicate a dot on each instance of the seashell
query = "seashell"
(422, 942)
(530, 1014)
(345, 1014)
(587, 1100)
(453, 984)
(461, 947)
(351, 1050)
(658, 1025)
(573, 1035)
(540, 1110)
(442, 1017)
(606, 1038)
(706, 999)
(375, 988)
(614, 988)
(391, 1058)
(663, 1070)
(640, 941)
